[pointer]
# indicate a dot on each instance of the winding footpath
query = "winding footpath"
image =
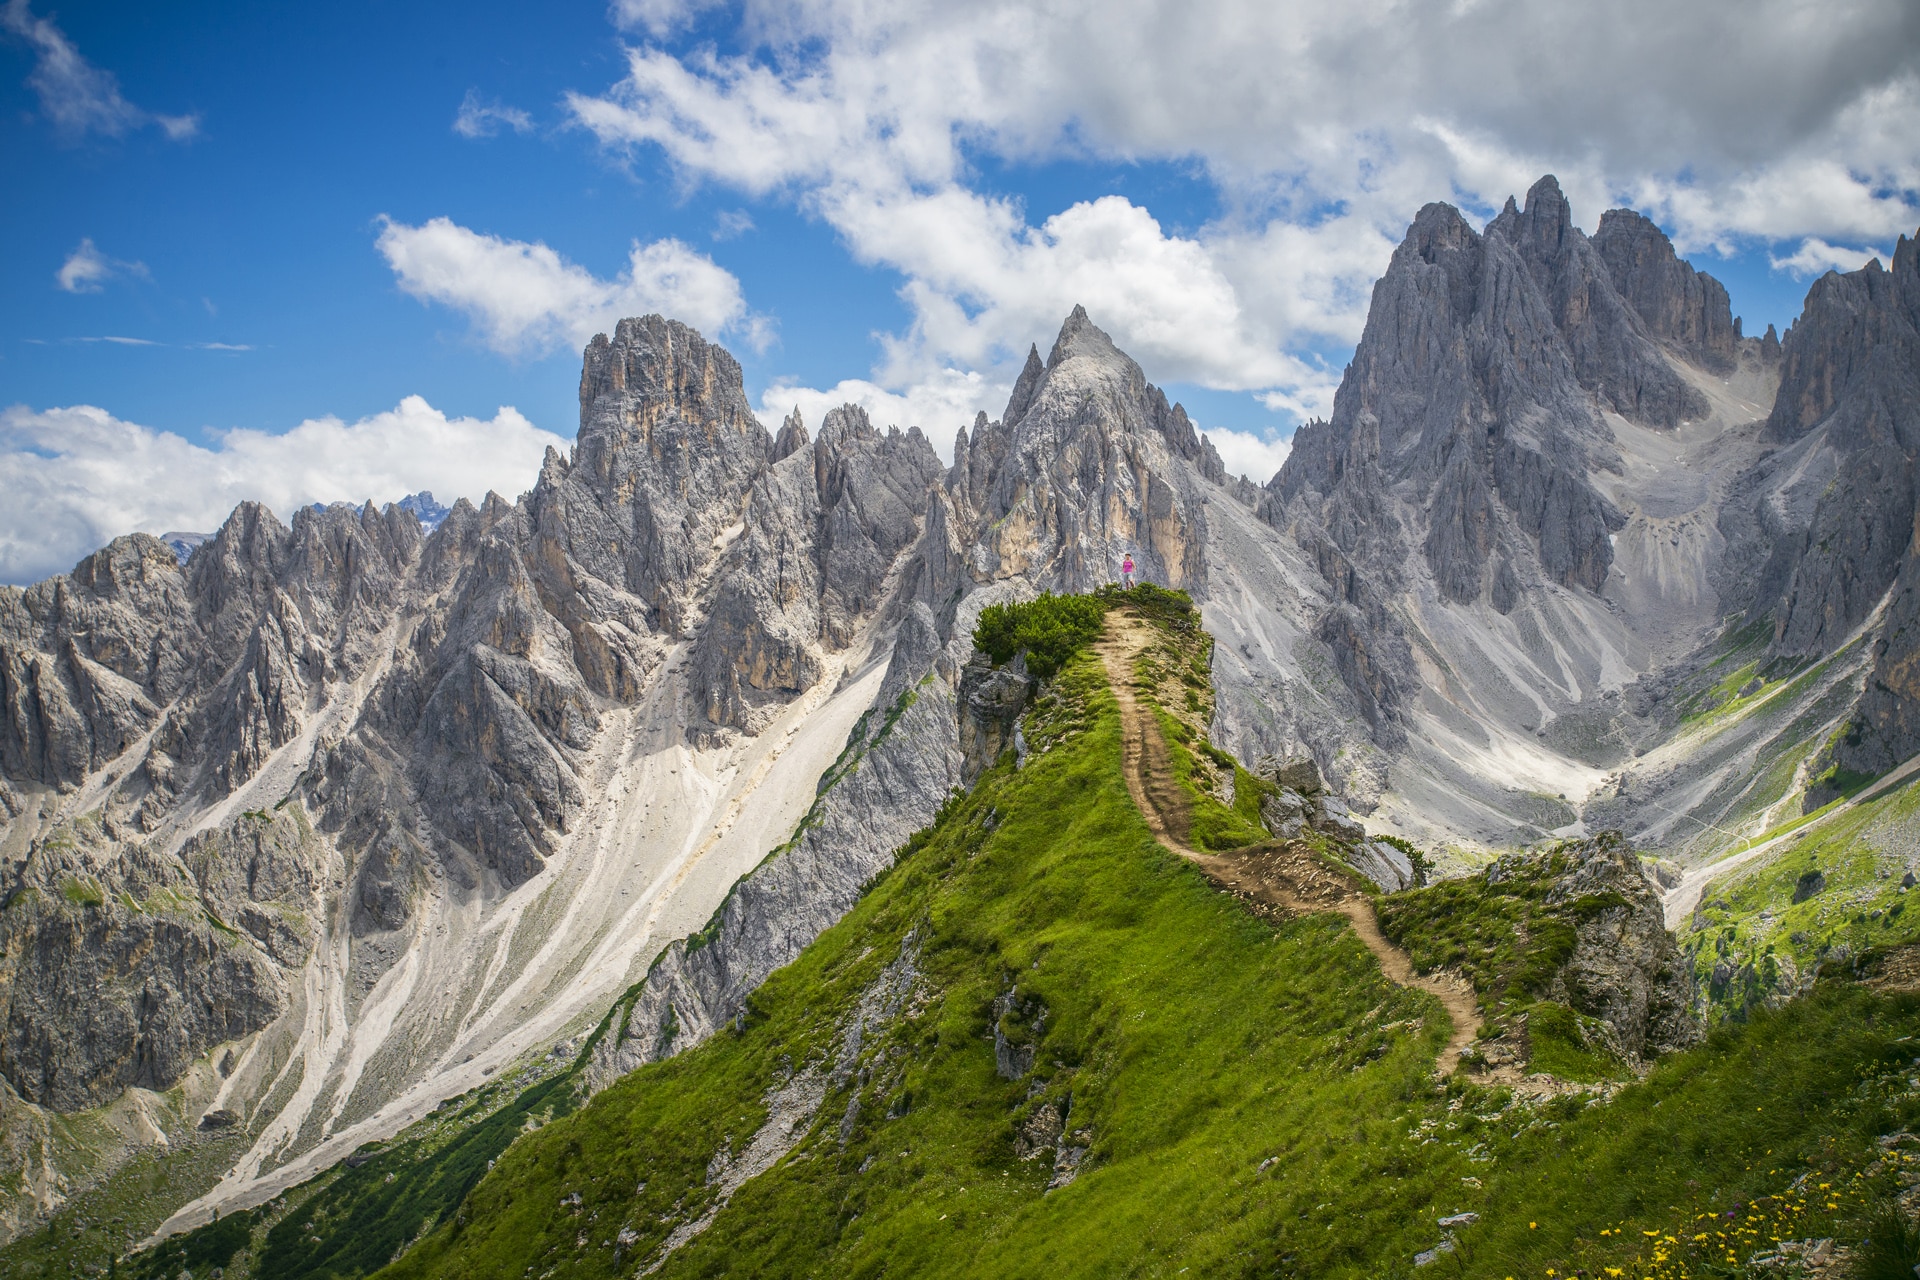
(1283, 876)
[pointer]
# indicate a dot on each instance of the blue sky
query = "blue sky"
(342, 238)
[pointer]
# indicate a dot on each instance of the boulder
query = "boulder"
(1341, 828)
(1383, 864)
(1278, 810)
(1292, 773)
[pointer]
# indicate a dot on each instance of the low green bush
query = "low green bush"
(1049, 630)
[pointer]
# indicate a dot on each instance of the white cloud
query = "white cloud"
(1816, 257)
(1323, 126)
(79, 477)
(478, 118)
(659, 17)
(732, 224)
(1246, 454)
(939, 405)
(526, 299)
(87, 270)
(78, 97)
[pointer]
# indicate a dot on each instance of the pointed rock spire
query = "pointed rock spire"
(792, 437)
(1028, 385)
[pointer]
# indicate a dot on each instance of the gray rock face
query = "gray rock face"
(1849, 403)
(1299, 774)
(122, 966)
(667, 449)
(1084, 467)
(1612, 350)
(1837, 502)
(1679, 305)
(1383, 864)
(990, 705)
(1626, 969)
(822, 530)
(1466, 393)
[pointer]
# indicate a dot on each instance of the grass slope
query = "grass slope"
(1189, 1041)
(1256, 1100)
(1752, 944)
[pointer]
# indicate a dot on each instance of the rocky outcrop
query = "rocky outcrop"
(1685, 308)
(1302, 802)
(990, 702)
(119, 967)
(1625, 968)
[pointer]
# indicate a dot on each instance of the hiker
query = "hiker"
(1126, 571)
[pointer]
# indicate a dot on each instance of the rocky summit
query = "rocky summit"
(316, 834)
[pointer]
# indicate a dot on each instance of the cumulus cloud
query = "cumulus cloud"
(1323, 125)
(939, 404)
(659, 17)
(478, 118)
(1256, 457)
(1816, 257)
(525, 299)
(78, 97)
(78, 477)
(87, 270)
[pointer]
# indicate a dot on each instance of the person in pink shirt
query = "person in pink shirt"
(1126, 571)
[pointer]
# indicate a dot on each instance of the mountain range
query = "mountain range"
(309, 827)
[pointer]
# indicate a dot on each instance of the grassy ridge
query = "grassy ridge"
(1510, 941)
(1255, 1100)
(1188, 1042)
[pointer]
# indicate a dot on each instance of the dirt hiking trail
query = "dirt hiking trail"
(1284, 875)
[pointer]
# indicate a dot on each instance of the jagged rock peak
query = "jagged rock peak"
(1079, 335)
(1547, 218)
(654, 364)
(1687, 308)
(667, 449)
(1024, 389)
(1845, 321)
(1614, 353)
(1078, 456)
(793, 434)
(1849, 398)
